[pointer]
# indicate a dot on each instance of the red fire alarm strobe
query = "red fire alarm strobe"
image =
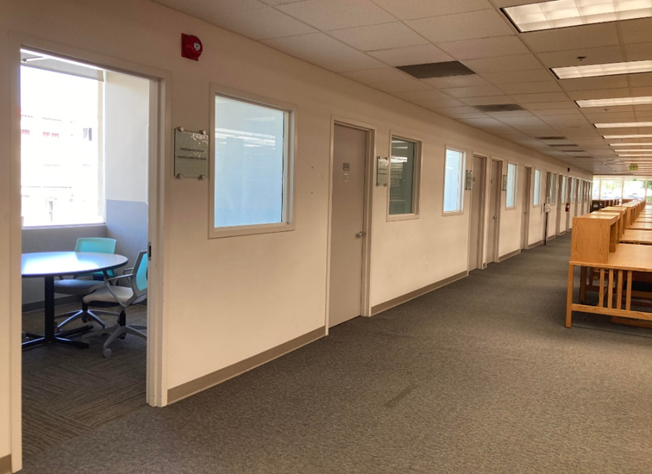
(191, 47)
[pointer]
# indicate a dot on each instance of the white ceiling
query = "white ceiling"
(365, 40)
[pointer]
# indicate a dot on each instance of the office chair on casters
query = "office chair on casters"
(83, 284)
(125, 296)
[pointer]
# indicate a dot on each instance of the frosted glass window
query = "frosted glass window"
(563, 189)
(553, 189)
(251, 157)
(403, 176)
(572, 190)
(453, 189)
(511, 186)
(537, 188)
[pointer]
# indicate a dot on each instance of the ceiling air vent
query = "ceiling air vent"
(563, 145)
(445, 69)
(550, 138)
(499, 107)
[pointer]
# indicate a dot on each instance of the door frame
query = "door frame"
(499, 207)
(481, 225)
(370, 130)
(527, 204)
(159, 163)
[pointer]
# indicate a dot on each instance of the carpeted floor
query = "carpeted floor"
(68, 392)
(478, 377)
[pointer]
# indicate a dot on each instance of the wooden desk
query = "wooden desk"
(621, 219)
(594, 236)
(631, 236)
(618, 272)
(640, 226)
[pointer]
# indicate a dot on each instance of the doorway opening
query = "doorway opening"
(495, 199)
(476, 231)
(350, 222)
(88, 170)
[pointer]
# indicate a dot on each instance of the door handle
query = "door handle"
(360, 234)
(493, 217)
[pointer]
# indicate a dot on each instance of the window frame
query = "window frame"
(536, 202)
(460, 211)
(416, 177)
(511, 208)
(288, 221)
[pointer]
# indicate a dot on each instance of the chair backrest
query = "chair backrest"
(139, 275)
(95, 244)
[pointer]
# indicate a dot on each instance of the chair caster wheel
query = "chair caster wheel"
(107, 353)
(122, 336)
(85, 319)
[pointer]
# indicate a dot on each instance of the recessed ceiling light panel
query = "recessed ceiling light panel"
(623, 125)
(598, 70)
(641, 150)
(614, 102)
(564, 13)
(622, 137)
(631, 144)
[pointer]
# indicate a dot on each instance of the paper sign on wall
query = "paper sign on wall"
(190, 154)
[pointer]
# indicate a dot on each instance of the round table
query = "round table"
(49, 265)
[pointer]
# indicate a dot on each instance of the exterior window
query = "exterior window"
(404, 165)
(61, 171)
(510, 200)
(251, 163)
(633, 189)
(453, 186)
(611, 189)
(536, 201)
(553, 189)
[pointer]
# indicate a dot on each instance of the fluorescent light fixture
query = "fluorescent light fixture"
(564, 13)
(648, 150)
(597, 70)
(631, 144)
(614, 102)
(623, 125)
(623, 137)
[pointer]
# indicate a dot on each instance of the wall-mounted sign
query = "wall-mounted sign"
(504, 187)
(382, 171)
(468, 184)
(190, 154)
(633, 167)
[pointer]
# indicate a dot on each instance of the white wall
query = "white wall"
(229, 299)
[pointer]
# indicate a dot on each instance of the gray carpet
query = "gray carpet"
(478, 377)
(68, 392)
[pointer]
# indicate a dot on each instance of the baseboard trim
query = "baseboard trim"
(509, 255)
(416, 293)
(550, 237)
(5, 464)
(535, 244)
(27, 307)
(207, 381)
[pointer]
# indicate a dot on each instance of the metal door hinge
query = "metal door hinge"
(360, 234)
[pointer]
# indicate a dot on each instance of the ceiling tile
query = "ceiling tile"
(210, 11)
(337, 14)
(561, 39)
(491, 100)
(262, 23)
(555, 112)
(440, 103)
(425, 95)
(484, 48)
(410, 55)
(530, 87)
(594, 83)
(599, 94)
(636, 31)
(377, 37)
(513, 77)
(521, 62)
(280, 2)
(458, 111)
(482, 24)
(608, 54)
(638, 51)
(411, 9)
(543, 97)
(477, 91)
(324, 51)
(485, 123)
(449, 82)
(388, 79)
(640, 80)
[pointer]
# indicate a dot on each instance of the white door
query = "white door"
(526, 186)
(494, 212)
(347, 223)
(476, 240)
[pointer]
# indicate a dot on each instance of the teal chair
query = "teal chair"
(84, 284)
(111, 294)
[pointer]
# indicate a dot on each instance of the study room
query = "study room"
(85, 139)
